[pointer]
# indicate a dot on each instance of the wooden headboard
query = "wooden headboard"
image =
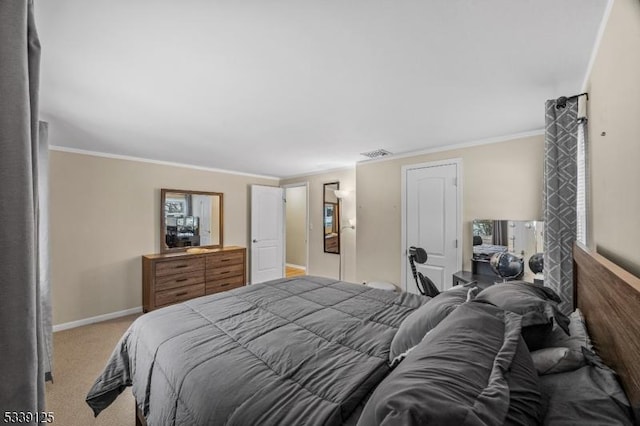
(609, 298)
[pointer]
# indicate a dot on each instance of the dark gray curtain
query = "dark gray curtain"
(501, 232)
(42, 219)
(25, 314)
(560, 179)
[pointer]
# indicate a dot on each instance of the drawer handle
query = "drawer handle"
(181, 266)
(225, 260)
(225, 272)
(225, 284)
(179, 280)
(182, 293)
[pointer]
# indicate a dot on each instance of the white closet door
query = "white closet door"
(432, 222)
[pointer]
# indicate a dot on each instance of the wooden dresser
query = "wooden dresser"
(175, 277)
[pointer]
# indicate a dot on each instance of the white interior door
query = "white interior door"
(433, 222)
(267, 233)
(202, 208)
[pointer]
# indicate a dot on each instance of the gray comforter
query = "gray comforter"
(299, 351)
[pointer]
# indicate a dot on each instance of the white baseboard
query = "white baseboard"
(296, 266)
(99, 318)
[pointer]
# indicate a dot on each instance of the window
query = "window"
(582, 183)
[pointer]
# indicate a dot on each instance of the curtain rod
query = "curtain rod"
(561, 102)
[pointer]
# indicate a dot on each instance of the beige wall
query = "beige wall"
(319, 262)
(500, 181)
(296, 214)
(614, 108)
(105, 215)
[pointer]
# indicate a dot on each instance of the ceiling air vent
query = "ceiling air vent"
(378, 153)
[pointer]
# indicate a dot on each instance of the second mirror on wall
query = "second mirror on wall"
(331, 218)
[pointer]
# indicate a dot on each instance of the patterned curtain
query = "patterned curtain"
(560, 171)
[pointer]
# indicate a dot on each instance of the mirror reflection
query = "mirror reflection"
(523, 238)
(331, 221)
(190, 219)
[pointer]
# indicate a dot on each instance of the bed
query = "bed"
(312, 350)
(278, 351)
(609, 297)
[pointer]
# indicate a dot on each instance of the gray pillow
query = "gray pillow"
(577, 338)
(473, 368)
(563, 352)
(537, 304)
(417, 324)
(588, 396)
(556, 360)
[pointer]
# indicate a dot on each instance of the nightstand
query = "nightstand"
(483, 281)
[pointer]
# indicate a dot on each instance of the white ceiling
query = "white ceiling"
(286, 87)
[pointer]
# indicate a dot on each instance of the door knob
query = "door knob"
(255, 241)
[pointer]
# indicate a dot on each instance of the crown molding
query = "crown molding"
(461, 145)
(596, 45)
(159, 162)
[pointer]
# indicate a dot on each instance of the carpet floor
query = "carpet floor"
(79, 355)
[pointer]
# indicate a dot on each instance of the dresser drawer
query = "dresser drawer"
(179, 266)
(331, 243)
(180, 294)
(177, 277)
(179, 280)
(225, 272)
(224, 259)
(224, 284)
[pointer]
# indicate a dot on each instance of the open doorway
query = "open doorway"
(296, 229)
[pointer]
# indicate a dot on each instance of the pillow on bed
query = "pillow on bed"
(556, 360)
(537, 304)
(417, 324)
(563, 352)
(473, 368)
(577, 338)
(588, 396)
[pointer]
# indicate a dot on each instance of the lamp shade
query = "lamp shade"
(341, 193)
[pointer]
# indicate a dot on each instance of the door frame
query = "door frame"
(403, 194)
(306, 225)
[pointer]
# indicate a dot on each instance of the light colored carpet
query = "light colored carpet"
(79, 355)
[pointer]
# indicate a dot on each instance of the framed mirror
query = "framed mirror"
(524, 238)
(331, 218)
(190, 219)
